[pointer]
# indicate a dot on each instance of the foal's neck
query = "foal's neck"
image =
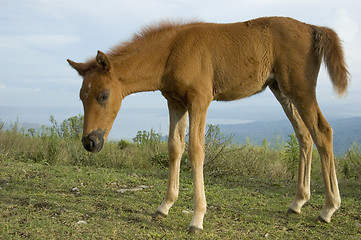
(141, 69)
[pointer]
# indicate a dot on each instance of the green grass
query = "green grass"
(37, 202)
(50, 188)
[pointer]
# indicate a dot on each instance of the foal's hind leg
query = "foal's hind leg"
(177, 129)
(321, 133)
(305, 147)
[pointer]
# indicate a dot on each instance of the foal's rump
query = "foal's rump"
(298, 51)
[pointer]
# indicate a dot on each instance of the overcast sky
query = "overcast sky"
(37, 36)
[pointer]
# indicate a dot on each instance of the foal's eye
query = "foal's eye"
(103, 97)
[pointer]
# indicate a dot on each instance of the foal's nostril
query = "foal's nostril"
(88, 143)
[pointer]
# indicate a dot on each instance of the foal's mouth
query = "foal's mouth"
(94, 142)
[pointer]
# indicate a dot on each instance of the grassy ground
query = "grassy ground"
(38, 201)
(50, 188)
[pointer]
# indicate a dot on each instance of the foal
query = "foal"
(195, 63)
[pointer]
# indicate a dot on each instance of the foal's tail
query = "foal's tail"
(328, 46)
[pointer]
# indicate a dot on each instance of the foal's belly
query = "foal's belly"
(227, 90)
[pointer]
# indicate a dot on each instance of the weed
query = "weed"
(60, 144)
(292, 155)
(351, 162)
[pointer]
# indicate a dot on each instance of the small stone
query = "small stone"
(4, 182)
(123, 190)
(138, 188)
(187, 211)
(80, 222)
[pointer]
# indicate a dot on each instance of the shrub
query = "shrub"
(2, 124)
(60, 144)
(350, 164)
(69, 128)
(292, 155)
(145, 138)
(223, 158)
(215, 145)
(122, 144)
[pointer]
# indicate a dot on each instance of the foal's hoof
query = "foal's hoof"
(159, 215)
(320, 219)
(194, 230)
(291, 211)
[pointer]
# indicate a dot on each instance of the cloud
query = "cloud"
(346, 27)
(36, 40)
(24, 96)
(50, 40)
(5, 88)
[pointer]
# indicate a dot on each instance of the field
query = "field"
(50, 188)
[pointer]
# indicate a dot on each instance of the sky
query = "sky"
(37, 36)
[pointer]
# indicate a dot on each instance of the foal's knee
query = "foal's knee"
(175, 148)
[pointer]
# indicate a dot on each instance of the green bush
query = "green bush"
(69, 128)
(60, 144)
(350, 164)
(292, 155)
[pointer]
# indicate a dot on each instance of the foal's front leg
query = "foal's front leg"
(177, 129)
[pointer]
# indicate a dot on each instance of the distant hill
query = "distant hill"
(345, 131)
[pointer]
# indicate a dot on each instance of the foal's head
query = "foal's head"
(100, 94)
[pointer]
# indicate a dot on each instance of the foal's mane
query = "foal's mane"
(150, 34)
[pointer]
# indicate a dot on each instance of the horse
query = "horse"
(194, 63)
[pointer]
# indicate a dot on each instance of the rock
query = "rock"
(187, 211)
(123, 190)
(4, 182)
(75, 190)
(81, 222)
(138, 188)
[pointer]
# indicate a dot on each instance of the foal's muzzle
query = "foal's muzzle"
(94, 142)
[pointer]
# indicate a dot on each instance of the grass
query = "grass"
(37, 202)
(50, 188)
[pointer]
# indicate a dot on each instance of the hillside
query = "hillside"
(346, 131)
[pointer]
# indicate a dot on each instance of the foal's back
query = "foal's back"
(233, 61)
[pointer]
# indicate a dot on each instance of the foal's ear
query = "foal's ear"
(103, 61)
(81, 68)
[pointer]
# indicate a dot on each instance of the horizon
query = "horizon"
(131, 120)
